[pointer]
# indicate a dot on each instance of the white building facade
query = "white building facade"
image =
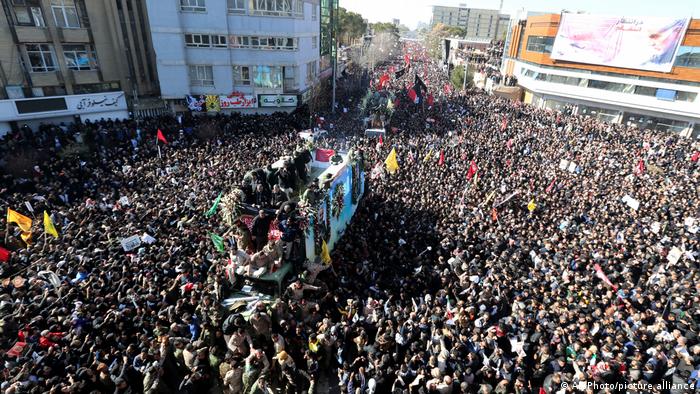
(235, 55)
(616, 98)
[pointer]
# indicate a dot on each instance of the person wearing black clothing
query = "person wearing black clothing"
(301, 158)
(248, 195)
(290, 230)
(287, 177)
(279, 197)
(260, 228)
(271, 176)
(262, 196)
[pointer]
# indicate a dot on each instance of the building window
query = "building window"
(314, 12)
(688, 57)
(197, 40)
(268, 77)
(201, 76)
(96, 88)
(645, 91)
(293, 8)
(65, 14)
(193, 6)
(311, 71)
(28, 13)
(241, 75)
(686, 96)
(272, 43)
(79, 57)
(218, 41)
(314, 42)
(290, 78)
(611, 86)
(41, 58)
(540, 44)
(236, 6)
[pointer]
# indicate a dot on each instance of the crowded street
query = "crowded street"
(509, 249)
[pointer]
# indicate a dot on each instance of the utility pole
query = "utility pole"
(464, 80)
(334, 48)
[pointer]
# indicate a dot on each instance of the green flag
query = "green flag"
(218, 242)
(212, 210)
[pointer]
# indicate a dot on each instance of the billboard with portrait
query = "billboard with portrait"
(643, 43)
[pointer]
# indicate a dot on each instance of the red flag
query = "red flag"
(431, 100)
(504, 124)
(695, 156)
(406, 59)
(509, 144)
(551, 186)
(442, 158)
(4, 255)
(382, 81)
(639, 168)
(381, 140)
(472, 169)
(494, 214)
(447, 89)
(324, 155)
(412, 95)
(601, 275)
(161, 137)
(17, 350)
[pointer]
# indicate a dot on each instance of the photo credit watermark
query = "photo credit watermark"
(640, 386)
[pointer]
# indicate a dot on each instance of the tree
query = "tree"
(458, 76)
(454, 31)
(433, 39)
(385, 27)
(351, 26)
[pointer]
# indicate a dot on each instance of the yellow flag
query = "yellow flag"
(489, 197)
(391, 163)
(325, 254)
(48, 226)
(531, 206)
(22, 221)
(26, 237)
(389, 105)
(428, 156)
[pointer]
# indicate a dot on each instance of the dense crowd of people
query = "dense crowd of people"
(483, 265)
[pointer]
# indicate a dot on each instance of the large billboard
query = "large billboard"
(644, 43)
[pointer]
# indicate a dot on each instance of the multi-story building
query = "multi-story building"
(68, 50)
(478, 23)
(660, 100)
(243, 55)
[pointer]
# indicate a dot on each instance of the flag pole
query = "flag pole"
(158, 145)
(44, 246)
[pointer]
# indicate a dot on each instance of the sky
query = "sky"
(411, 12)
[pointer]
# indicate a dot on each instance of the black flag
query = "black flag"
(419, 87)
(400, 73)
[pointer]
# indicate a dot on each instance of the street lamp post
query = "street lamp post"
(334, 48)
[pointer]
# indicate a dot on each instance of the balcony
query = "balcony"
(85, 76)
(40, 79)
(74, 35)
(32, 34)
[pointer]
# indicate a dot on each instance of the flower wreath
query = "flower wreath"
(338, 199)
